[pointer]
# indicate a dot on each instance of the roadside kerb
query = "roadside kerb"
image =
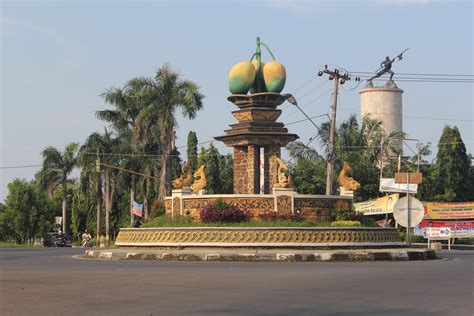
(266, 256)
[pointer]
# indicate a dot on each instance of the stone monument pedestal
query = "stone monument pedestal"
(177, 207)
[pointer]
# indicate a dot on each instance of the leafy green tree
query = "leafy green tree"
(226, 170)
(452, 169)
(176, 164)
(362, 146)
(57, 166)
(28, 212)
(308, 172)
(156, 123)
(192, 150)
(213, 176)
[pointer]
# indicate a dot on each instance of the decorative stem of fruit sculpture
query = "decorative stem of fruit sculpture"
(257, 76)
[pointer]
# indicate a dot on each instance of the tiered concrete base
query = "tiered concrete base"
(258, 237)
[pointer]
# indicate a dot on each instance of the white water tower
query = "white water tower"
(384, 104)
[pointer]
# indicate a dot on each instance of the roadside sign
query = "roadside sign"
(400, 211)
(411, 177)
(389, 185)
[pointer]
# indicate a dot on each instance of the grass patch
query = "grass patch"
(6, 244)
(164, 221)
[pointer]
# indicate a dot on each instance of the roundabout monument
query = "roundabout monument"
(262, 182)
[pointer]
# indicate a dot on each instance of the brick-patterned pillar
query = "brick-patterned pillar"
(240, 169)
(270, 169)
(253, 169)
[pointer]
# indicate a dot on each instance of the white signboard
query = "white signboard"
(438, 232)
(389, 185)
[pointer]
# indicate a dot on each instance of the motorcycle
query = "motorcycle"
(86, 241)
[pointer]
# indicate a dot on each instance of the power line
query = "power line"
(418, 74)
(19, 167)
(412, 116)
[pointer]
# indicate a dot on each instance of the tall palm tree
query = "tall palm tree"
(101, 146)
(127, 103)
(57, 166)
(156, 123)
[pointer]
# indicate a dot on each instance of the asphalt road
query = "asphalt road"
(51, 282)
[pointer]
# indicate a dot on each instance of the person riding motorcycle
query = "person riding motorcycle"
(86, 238)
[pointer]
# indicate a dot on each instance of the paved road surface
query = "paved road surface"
(51, 282)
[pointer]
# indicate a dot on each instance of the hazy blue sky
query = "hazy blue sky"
(58, 57)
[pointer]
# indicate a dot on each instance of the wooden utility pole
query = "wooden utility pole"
(339, 78)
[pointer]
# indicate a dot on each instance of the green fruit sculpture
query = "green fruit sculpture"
(241, 77)
(274, 76)
(257, 76)
(254, 87)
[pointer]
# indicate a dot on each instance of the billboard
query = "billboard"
(459, 229)
(383, 205)
(449, 210)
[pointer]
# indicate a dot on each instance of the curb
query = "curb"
(336, 256)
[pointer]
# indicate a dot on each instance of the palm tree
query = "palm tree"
(57, 166)
(156, 122)
(101, 146)
(127, 103)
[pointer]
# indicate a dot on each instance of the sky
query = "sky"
(57, 57)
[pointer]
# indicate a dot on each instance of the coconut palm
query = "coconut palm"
(156, 123)
(57, 166)
(127, 103)
(103, 147)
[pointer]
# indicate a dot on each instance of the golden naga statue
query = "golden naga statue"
(284, 176)
(199, 179)
(347, 182)
(186, 178)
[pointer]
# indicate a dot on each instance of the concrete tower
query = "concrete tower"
(383, 104)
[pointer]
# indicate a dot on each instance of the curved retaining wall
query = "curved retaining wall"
(257, 237)
(315, 208)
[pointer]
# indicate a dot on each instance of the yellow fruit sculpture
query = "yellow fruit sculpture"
(274, 76)
(241, 77)
(257, 76)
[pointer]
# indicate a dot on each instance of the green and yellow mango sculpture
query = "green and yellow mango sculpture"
(274, 76)
(247, 75)
(254, 87)
(241, 77)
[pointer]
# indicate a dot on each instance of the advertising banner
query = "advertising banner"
(381, 205)
(448, 210)
(458, 229)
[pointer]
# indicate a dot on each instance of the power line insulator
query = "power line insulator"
(320, 73)
(331, 77)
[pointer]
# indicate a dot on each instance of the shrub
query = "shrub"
(344, 215)
(222, 212)
(272, 216)
(346, 224)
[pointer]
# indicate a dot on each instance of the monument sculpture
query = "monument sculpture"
(385, 67)
(384, 103)
(199, 180)
(347, 184)
(257, 129)
(256, 134)
(282, 173)
(186, 178)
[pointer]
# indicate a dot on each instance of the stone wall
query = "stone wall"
(315, 208)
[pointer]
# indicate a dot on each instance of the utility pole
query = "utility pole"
(339, 78)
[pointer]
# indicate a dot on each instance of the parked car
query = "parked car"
(56, 240)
